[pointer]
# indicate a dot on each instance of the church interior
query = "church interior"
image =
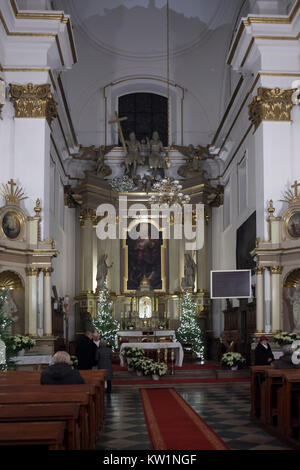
(148, 146)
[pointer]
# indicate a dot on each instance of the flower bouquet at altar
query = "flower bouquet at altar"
(285, 338)
(158, 369)
(232, 359)
(131, 353)
(147, 366)
(19, 343)
(137, 364)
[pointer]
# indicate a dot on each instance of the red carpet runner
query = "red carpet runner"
(174, 425)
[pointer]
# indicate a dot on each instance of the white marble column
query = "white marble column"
(47, 301)
(259, 299)
(276, 297)
(32, 299)
(86, 251)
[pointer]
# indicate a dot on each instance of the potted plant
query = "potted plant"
(158, 369)
(132, 353)
(147, 366)
(232, 360)
(20, 343)
(137, 364)
(285, 340)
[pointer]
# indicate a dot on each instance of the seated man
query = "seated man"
(60, 371)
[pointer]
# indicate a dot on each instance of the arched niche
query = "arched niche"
(291, 304)
(159, 86)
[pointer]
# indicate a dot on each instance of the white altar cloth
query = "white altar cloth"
(32, 360)
(176, 346)
(140, 333)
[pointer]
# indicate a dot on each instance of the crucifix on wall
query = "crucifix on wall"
(117, 121)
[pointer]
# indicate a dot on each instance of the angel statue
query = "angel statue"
(102, 270)
(188, 281)
(195, 157)
(295, 301)
(96, 154)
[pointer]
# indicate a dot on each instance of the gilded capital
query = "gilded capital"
(271, 104)
(31, 271)
(276, 269)
(33, 101)
(47, 271)
(259, 270)
(87, 214)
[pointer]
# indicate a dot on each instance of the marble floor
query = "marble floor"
(224, 406)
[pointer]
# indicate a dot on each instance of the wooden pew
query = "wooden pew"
(269, 404)
(50, 434)
(82, 398)
(288, 402)
(255, 390)
(66, 412)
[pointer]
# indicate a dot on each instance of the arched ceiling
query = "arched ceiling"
(138, 27)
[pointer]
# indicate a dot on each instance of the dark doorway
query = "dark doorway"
(146, 113)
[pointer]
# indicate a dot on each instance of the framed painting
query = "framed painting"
(293, 225)
(11, 225)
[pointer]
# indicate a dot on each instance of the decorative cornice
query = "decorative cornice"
(271, 104)
(33, 101)
(276, 269)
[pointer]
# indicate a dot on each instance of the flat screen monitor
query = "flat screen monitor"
(230, 284)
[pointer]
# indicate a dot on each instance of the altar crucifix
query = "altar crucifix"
(118, 120)
(295, 187)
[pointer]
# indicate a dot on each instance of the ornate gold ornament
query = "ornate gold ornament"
(276, 269)
(271, 104)
(11, 195)
(47, 271)
(33, 101)
(259, 270)
(31, 271)
(291, 216)
(87, 214)
(10, 280)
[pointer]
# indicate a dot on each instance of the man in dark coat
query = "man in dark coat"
(60, 372)
(104, 359)
(263, 353)
(86, 352)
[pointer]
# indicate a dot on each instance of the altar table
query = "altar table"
(176, 346)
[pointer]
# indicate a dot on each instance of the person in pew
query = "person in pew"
(86, 352)
(263, 353)
(60, 371)
(104, 359)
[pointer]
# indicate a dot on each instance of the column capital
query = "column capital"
(87, 214)
(276, 269)
(33, 101)
(47, 271)
(259, 270)
(271, 104)
(31, 271)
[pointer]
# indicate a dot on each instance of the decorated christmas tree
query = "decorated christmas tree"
(103, 323)
(5, 324)
(189, 332)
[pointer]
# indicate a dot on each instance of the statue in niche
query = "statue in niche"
(145, 146)
(188, 281)
(295, 301)
(102, 271)
(157, 160)
(97, 155)
(133, 157)
(195, 157)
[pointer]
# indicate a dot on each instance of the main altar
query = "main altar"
(144, 264)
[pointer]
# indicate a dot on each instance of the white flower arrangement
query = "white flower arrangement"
(159, 368)
(147, 366)
(286, 338)
(232, 359)
(133, 352)
(19, 342)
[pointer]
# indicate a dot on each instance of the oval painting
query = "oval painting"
(11, 225)
(293, 226)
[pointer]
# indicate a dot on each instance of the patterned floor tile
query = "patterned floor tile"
(225, 407)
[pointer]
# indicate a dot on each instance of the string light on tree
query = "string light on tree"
(189, 331)
(103, 322)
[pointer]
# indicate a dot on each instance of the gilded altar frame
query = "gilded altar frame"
(162, 253)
